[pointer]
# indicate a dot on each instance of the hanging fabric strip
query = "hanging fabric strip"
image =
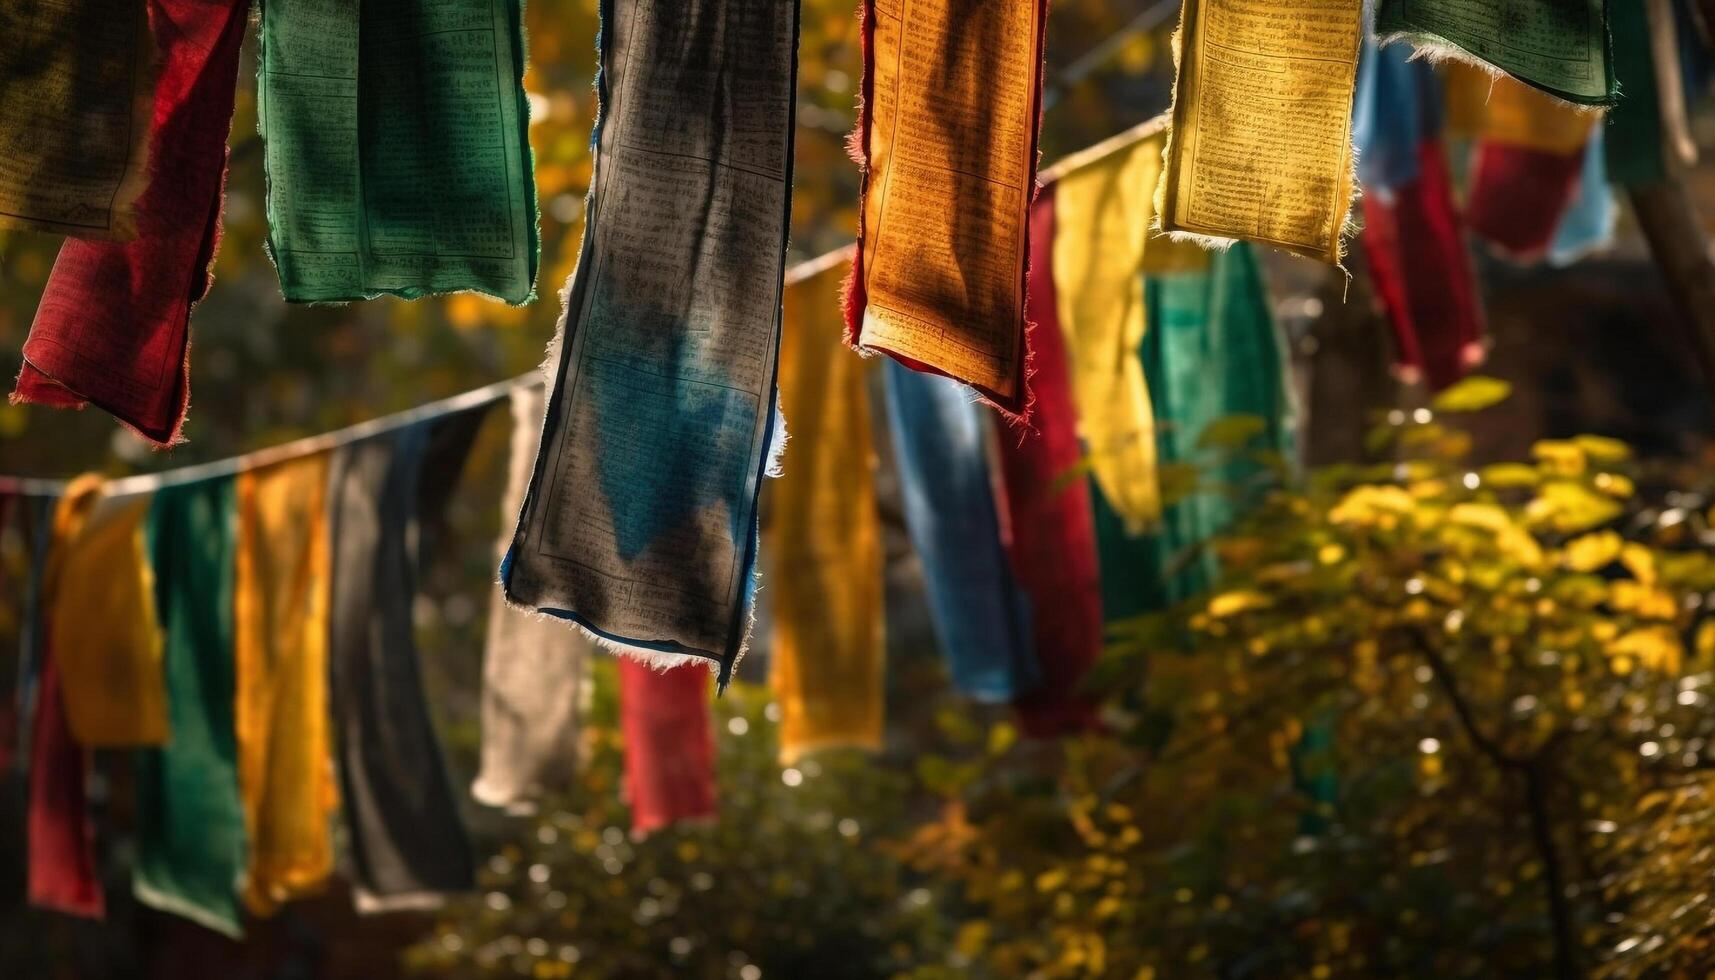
(640, 522)
(76, 91)
(1636, 153)
(669, 744)
(1233, 170)
(1102, 207)
(190, 820)
(822, 536)
(1525, 175)
(1053, 539)
(1414, 243)
(1558, 46)
(981, 616)
(281, 635)
(1587, 226)
(1213, 354)
(62, 872)
(408, 844)
(534, 669)
(946, 139)
(1396, 107)
(36, 522)
(106, 635)
(113, 325)
(398, 155)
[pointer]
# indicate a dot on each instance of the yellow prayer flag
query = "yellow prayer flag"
(103, 626)
(1102, 207)
(822, 537)
(1261, 144)
(280, 630)
(1502, 110)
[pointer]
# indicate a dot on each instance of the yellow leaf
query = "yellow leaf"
(1602, 450)
(1232, 603)
(1592, 551)
(1472, 394)
(1654, 647)
(1560, 457)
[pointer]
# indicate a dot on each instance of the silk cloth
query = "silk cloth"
(1052, 539)
(1557, 46)
(281, 637)
(1530, 154)
(76, 93)
(107, 638)
(535, 670)
(669, 744)
(1587, 226)
(191, 849)
(61, 863)
(113, 325)
(821, 536)
(1103, 206)
(946, 143)
(640, 522)
(407, 840)
(397, 148)
(980, 614)
(1634, 147)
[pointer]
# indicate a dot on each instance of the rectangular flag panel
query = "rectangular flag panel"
(397, 152)
(1261, 145)
(952, 96)
(640, 522)
(1559, 46)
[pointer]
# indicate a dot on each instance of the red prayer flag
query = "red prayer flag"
(62, 869)
(1518, 196)
(112, 329)
(669, 744)
(1052, 544)
(1415, 244)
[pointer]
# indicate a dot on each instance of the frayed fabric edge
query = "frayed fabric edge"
(1438, 50)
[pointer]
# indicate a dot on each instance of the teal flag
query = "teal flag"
(397, 148)
(190, 824)
(1219, 386)
(1559, 46)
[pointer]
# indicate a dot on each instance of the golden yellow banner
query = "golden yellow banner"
(1498, 108)
(1261, 145)
(281, 634)
(822, 535)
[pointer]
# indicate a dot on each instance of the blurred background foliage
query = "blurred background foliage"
(1416, 708)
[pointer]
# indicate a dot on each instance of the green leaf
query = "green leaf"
(1231, 431)
(1472, 394)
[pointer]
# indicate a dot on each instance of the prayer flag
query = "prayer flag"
(1525, 175)
(1558, 46)
(190, 819)
(1260, 147)
(113, 326)
(669, 744)
(397, 148)
(407, 840)
(822, 537)
(76, 91)
(106, 636)
(534, 670)
(946, 140)
(1053, 539)
(640, 522)
(281, 637)
(980, 614)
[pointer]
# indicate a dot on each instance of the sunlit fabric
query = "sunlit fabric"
(113, 326)
(980, 614)
(281, 635)
(534, 669)
(822, 537)
(407, 841)
(1587, 226)
(1561, 46)
(669, 744)
(1052, 539)
(190, 820)
(62, 873)
(107, 639)
(1529, 157)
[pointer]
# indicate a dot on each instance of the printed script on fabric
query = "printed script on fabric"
(641, 516)
(1557, 45)
(953, 90)
(75, 99)
(1261, 144)
(396, 148)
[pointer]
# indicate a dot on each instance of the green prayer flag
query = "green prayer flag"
(397, 148)
(1633, 142)
(190, 823)
(1559, 46)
